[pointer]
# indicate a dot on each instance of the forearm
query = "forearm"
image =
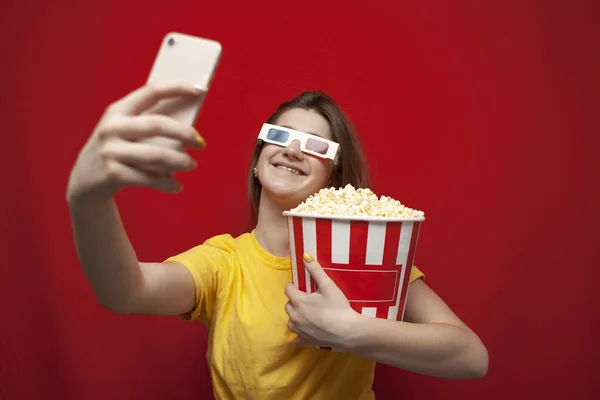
(106, 255)
(436, 349)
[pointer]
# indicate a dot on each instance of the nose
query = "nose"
(293, 151)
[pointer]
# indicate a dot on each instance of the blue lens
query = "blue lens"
(278, 135)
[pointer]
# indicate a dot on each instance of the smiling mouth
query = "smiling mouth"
(289, 169)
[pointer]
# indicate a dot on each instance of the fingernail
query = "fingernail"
(200, 88)
(179, 188)
(194, 164)
(200, 142)
(308, 257)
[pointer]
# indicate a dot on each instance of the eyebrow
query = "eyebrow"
(310, 133)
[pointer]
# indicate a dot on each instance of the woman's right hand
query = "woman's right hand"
(116, 156)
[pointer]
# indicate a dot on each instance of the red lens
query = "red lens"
(317, 146)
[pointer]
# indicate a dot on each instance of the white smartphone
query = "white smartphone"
(184, 59)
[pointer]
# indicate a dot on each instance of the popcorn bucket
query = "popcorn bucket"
(369, 258)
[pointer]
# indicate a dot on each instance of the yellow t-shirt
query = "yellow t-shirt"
(251, 353)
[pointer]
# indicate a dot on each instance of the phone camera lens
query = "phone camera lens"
(171, 41)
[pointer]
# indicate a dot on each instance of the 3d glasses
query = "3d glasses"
(310, 144)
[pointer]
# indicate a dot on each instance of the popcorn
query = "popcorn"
(349, 201)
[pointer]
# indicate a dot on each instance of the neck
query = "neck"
(271, 228)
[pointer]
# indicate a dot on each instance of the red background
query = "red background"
(482, 114)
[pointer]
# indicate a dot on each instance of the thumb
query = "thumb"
(323, 281)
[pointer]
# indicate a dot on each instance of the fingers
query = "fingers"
(292, 313)
(125, 175)
(148, 126)
(292, 327)
(294, 294)
(300, 342)
(289, 310)
(146, 96)
(149, 157)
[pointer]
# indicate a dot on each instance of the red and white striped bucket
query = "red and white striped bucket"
(369, 258)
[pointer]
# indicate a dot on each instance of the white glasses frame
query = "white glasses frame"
(302, 137)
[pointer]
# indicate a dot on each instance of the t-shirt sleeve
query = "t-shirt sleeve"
(208, 264)
(416, 274)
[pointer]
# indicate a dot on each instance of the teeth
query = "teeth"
(295, 171)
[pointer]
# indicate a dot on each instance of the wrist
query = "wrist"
(79, 203)
(351, 330)
(82, 197)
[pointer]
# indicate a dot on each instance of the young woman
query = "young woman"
(262, 330)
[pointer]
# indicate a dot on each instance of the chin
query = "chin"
(287, 189)
(288, 196)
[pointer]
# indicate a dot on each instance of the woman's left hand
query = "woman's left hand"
(322, 318)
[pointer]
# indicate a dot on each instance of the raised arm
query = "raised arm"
(114, 157)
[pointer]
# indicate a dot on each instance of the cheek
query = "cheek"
(322, 168)
(266, 153)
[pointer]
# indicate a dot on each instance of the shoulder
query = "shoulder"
(416, 274)
(227, 242)
(224, 243)
(220, 248)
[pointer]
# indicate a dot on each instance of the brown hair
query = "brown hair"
(351, 167)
